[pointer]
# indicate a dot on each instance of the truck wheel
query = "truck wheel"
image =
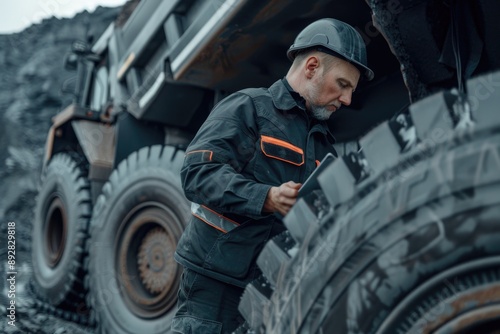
(408, 243)
(133, 278)
(60, 228)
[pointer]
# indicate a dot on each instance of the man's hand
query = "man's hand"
(281, 199)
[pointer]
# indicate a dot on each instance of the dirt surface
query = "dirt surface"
(31, 316)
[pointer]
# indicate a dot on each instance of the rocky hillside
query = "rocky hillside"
(31, 82)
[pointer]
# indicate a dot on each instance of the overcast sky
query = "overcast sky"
(17, 15)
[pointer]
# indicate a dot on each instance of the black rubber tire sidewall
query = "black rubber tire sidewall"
(403, 256)
(61, 179)
(128, 187)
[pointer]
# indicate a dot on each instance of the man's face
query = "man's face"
(327, 91)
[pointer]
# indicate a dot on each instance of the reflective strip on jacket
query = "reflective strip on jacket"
(253, 139)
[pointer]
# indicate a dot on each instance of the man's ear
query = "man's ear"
(311, 66)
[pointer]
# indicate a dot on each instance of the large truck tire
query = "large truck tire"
(401, 241)
(132, 276)
(60, 230)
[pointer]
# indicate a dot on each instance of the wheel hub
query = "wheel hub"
(153, 261)
(55, 232)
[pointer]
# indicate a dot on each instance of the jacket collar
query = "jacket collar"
(285, 98)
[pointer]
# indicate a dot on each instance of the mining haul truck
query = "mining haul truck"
(402, 233)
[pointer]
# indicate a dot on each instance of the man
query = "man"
(244, 168)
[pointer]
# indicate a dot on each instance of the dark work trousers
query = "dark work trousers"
(206, 305)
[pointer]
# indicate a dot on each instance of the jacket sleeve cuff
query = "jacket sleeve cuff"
(256, 203)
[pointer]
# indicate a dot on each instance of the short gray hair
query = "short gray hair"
(328, 60)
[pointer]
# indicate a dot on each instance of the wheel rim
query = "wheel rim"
(55, 232)
(484, 319)
(147, 272)
(461, 296)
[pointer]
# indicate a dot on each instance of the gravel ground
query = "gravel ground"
(30, 316)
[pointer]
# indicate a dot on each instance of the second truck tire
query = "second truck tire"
(132, 277)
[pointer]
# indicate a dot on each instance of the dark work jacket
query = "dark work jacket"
(253, 139)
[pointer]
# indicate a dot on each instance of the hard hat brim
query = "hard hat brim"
(365, 71)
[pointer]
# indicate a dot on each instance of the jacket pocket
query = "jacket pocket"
(281, 150)
(191, 325)
(234, 253)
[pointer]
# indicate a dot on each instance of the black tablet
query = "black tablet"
(312, 181)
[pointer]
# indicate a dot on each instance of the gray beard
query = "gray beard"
(320, 113)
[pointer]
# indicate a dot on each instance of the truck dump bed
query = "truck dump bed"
(191, 53)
